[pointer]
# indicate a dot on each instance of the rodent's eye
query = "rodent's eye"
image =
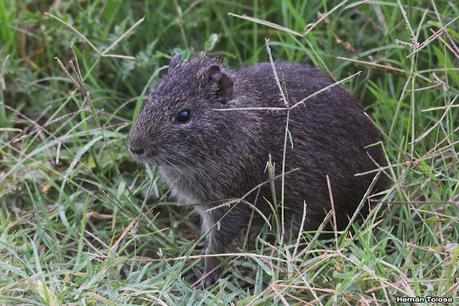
(184, 116)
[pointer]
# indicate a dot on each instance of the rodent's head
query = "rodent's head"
(179, 125)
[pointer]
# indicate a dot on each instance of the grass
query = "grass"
(82, 223)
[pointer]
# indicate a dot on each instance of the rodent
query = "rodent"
(209, 152)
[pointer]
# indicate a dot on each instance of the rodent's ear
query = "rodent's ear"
(221, 83)
(175, 62)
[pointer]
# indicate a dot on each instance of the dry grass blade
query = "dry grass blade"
(242, 199)
(113, 249)
(300, 232)
(407, 23)
(2, 72)
(311, 27)
(332, 202)
(10, 130)
(325, 89)
(420, 203)
(450, 47)
(266, 23)
(439, 121)
(100, 53)
(113, 45)
(294, 105)
(376, 65)
(431, 38)
(306, 30)
(276, 76)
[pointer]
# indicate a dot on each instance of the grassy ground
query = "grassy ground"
(81, 222)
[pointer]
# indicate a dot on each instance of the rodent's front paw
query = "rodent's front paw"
(208, 280)
(212, 270)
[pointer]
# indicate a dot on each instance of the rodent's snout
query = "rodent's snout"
(136, 146)
(136, 151)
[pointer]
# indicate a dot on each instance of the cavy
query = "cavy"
(210, 133)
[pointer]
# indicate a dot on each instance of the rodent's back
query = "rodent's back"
(330, 134)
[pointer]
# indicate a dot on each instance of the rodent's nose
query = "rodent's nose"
(136, 151)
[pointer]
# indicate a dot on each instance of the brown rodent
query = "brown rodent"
(210, 152)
